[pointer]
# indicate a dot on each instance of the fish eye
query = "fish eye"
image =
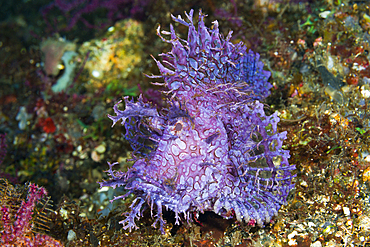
(178, 127)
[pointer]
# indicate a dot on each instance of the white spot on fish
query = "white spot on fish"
(182, 180)
(208, 172)
(237, 182)
(205, 195)
(182, 156)
(170, 159)
(190, 181)
(193, 167)
(212, 188)
(186, 199)
(219, 152)
(175, 150)
(180, 143)
(237, 191)
(227, 190)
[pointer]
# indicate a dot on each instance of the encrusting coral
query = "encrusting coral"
(213, 148)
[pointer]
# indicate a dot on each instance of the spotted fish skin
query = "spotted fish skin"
(212, 148)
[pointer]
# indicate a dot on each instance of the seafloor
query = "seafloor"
(58, 136)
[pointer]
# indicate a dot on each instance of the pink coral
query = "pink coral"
(16, 229)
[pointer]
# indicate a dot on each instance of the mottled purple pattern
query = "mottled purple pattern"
(213, 148)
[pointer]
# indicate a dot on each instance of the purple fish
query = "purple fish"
(212, 148)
